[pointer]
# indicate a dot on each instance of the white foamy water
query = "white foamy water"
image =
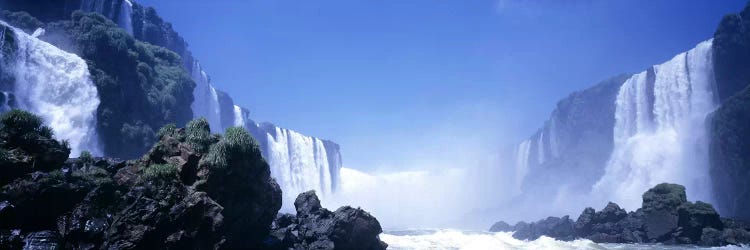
(57, 86)
(299, 163)
(206, 100)
(448, 239)
(125, 16)
(239, 120)
(660, 134)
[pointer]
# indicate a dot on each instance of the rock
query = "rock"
(354, 228)
(42, 240)
(695, 217)
(660, 205)
(315, 227)
(7, 215)
(554, 227)
(711, 237)
(501, 226)
(11, 239)
(307, 203)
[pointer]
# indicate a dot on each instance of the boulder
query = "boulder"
(501, 226)
(695, 217)
(660, 205)
(554, 227)
(315, 227)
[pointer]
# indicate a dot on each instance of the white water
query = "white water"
(522, 163)
(239, 120)
(664, 140)
(206, 101)
(125, 16)
(57, 86)
(455, 239)
(553, 147)
(299, 163)
(540, 148)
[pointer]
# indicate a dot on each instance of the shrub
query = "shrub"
(18, 122)
(156, 172)
(199, 135)
(86, 157)
(168, 129)
(236, 145)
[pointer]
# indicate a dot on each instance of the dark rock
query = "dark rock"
(7, 215)
(307, 203)
(11, 239)
(660, 205)
(42, 240)
(501, 226)
(711, 237)
(554, 227)
(318, 228)
(695, 217)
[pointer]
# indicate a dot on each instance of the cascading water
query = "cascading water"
(124, 19)
(239, 119)
(540, 148)
(553, 138)
(206, 100)
(660, 134)
(522, 163)
(299, 163)
(57, 86)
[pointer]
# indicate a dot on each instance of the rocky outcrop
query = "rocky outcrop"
(665, 217)
(314, 227)
(192, 190)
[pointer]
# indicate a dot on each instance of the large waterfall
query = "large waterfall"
(206, 100)
(299, 163)
(57, 86)
(660, 133)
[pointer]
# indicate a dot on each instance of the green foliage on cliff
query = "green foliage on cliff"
(158, 172)
(235, 146)
(21, 20)
(199, 135)
(665, 196)
(142, 87)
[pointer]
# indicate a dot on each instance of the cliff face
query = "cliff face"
(573, 145)
(730, 147)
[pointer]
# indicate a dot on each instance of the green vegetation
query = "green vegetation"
(236, 145)
(199, 135)
(27, 131)
(665, 196)
(158, 172)
(21, 20)
(167, 130)
(141, 86)
(86, 157)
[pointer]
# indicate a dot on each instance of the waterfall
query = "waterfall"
(553, 141)
(299, 163)
(540, 147)
(239, 120)
(57, 86)
(125, 16)
(522, 162)
(206, 100)
(660, 133)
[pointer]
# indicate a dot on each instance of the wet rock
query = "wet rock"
(318, 228)
(42, 240)
(554, 227)
(501, 226)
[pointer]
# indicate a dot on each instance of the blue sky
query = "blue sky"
(398, 82)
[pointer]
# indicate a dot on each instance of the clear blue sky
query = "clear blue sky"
(395, 80)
